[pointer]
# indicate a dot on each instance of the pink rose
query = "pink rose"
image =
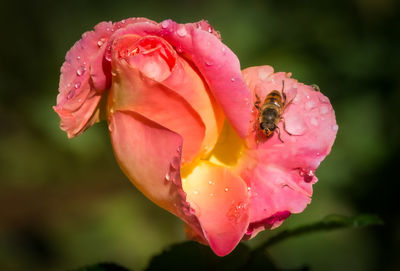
(165, 90)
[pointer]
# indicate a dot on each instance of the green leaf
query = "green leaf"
(193, 256)
(103, 267)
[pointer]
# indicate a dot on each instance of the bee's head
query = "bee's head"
(267, 128)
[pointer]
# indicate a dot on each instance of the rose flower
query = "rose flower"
(185, 129)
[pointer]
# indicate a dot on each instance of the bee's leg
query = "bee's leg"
(283, 92)
(284, 125)
(279, 134)
(257, 103)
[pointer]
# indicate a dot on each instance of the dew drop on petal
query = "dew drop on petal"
(295, 124)
(226, 189)
(307, 174)
(236, 212)
(181, 31)
(77, 85)
(335, 127)
(195, 192)
(233, 79)
(309, 105)
(71, 94)
(324, 99)
(324, 109)
(100, 42)
(314, 121)
(167, 177)
(80, 71)
(211, 182)
(209, 63)
(78, 57)
(165, 24)
(175, 163)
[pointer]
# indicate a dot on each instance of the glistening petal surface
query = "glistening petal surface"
(281, 175)
(220, 201)
(150, 155)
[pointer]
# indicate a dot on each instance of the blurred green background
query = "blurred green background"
(66, 204)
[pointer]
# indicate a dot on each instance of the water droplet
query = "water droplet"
(295, 124)
(233, 79)
(211, 182)
(324, 109)
(236, 212)
(100, 42)
(78, 57)
(208, 63)
(195, 192)
(223, 49)
(167, 177)
(181, 31)
(335, 127)
(175, 163)
(314, 121)
(77, 85)
(81, 71)
(249, 188)
(123, 21)
(324, 99)
(226, 189)
(308, 96)
(69, 85)
(71, 94)
(108, 29)
(210, 30)
(310, 105)
(107, 54)
(165, 24)
(307, 174)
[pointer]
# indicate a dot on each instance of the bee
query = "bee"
(270, 112)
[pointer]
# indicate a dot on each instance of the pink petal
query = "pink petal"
(216, 62)
(134, 91)
(281, 175)
(219, 199)
(219, 66)
(150, 155)
(78, 100)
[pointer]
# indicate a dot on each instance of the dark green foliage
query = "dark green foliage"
(104, 267)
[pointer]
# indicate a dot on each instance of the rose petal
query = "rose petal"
(185, 81)
(285, 171)
(78, 100)
(150, 155)
(216, 62)
(220, 201)
(100, 70)
(131, 90)
(219, 66)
